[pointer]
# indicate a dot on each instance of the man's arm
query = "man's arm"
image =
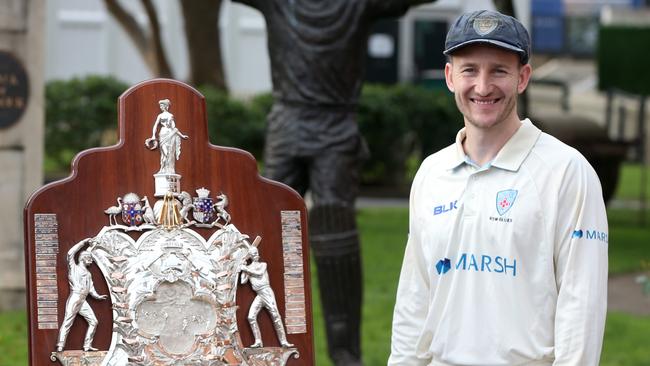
(95, 294)
(255, 269)
(252, 3)
(75, 248)
(392, 8)
(580, 268)
(411, 306)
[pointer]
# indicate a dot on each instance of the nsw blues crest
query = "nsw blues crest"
(505, 200)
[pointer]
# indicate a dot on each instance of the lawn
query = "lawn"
(383, 233)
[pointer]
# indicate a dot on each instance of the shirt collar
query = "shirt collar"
(511, 155)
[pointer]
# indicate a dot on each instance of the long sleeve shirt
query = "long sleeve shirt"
(505, 264)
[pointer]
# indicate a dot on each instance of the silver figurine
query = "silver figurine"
(169, 138)
(81, 285)
(256, 273)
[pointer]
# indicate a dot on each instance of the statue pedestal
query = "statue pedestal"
(166, 183)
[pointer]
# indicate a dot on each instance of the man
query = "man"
(265, 298)
(506, 261)
(318, 51)
(81, 285)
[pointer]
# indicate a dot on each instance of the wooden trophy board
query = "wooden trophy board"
(179, 268)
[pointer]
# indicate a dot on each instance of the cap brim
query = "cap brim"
(486, 41)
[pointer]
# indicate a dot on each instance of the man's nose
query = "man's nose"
(483, 85)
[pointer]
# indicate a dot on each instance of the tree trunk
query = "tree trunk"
(204, 46)
(148, 44)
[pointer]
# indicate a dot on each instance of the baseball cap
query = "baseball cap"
(490, 27)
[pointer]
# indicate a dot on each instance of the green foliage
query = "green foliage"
(235, 123)
(401, 122)
(622, 58)
(78, 114)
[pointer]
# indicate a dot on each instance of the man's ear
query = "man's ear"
(448, 79)
(524, 77)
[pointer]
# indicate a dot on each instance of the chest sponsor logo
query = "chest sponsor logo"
(438, 210)
(478, 263)
(591, 235)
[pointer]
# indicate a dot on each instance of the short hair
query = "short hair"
(167, 102)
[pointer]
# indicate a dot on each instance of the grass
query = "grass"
(13, 338)
(626, 340)
(383, 232)
(629, 187)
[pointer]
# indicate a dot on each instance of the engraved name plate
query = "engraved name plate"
(47, 292)
(294, 283)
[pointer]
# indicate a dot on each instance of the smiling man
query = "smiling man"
(498, 268)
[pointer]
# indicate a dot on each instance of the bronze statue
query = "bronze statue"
(317, 50)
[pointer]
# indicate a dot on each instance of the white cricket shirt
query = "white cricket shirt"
(506, 264)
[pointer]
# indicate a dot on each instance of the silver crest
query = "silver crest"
(485, 25)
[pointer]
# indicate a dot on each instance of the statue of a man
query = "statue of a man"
(81, 285)
(169, 138)
(318, 53)
(256, 273)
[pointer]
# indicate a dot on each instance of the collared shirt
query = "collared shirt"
(505, 264)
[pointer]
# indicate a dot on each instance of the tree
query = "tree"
(201, 31)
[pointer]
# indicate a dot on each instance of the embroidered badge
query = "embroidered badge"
(505, 200)
(486, 25)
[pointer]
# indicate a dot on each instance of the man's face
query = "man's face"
(485, 81)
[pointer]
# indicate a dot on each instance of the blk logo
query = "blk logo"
(443, 266)
(445, 208)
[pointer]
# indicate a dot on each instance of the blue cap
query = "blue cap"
(489, 27)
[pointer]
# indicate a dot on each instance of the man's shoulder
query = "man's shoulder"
(440, 159)
(557, 156)
(437, 163)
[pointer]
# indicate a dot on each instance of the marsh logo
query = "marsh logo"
(445, 208)
(443, 266)
(590, 235)
(479, 263)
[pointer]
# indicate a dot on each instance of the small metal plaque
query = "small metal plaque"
(294, 280)
(47, 247)
(14, 89)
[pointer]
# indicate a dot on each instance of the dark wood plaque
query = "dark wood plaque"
(65, 212)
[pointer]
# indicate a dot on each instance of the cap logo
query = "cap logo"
(486, 25)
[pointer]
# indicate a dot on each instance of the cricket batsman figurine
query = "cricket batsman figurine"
(81, 285)
(256, 273)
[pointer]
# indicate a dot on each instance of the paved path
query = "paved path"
(626, 295)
